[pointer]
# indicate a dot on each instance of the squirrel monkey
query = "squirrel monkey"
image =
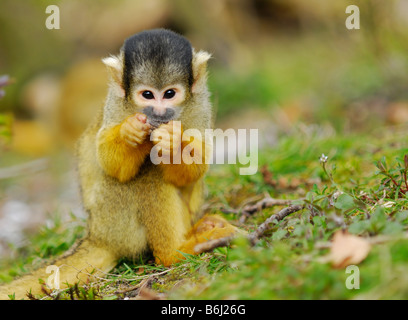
(157, 90)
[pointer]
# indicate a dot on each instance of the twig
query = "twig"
(252, 237)
(267, 202)
(140, 284)
(248, 209)
(228, 209)
(212, 244)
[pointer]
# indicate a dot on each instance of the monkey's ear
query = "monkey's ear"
(199, 63)
(115, 69)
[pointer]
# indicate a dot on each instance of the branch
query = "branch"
(260, 231)
(250, 209)
(212, 244)
(252, 237)
(264, 203)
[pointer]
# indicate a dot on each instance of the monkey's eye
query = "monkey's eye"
(169, 94)
(148, 95)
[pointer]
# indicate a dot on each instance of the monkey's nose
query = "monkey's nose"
(152, 112)
(154, 117)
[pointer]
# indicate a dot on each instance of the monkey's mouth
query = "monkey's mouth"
(156, 120)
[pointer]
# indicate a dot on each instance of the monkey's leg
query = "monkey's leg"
(209, 227)
(166, 234)
(81, 264)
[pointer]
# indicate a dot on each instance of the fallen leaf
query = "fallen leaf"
(148, 294)
(347, 249)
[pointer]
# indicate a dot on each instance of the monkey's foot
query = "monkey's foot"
(210, 227)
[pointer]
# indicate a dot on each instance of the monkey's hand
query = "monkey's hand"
(135, 129)
(187, 158)
(168, 138)
(122, 149)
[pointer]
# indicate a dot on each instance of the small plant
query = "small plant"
(394, 184)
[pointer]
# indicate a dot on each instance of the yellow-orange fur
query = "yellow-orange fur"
(117, 158)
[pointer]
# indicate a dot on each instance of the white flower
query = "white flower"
(323, 158)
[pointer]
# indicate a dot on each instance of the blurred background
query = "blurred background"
(277, 64)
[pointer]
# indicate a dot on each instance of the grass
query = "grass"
(52, 240)
(361, 188)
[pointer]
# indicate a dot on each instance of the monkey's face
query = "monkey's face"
(159, 89)
(160, 105)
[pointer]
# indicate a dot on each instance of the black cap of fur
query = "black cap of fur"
(160, 48)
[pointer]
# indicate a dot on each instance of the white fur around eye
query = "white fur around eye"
(179, 93)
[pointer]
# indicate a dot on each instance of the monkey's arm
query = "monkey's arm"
(119, 157)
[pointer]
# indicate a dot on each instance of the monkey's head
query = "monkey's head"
(157, 72)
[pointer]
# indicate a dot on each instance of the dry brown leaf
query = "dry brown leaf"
(148, 294)
(347, 249)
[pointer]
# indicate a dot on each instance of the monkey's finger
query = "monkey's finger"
(142, 134)
(141, 117)
(130, 133)
(139, 129)
(138, 125)
(132, 143)
(159, 135)
(138, 136)
(138, 117)
(164, 144)
(166, 127)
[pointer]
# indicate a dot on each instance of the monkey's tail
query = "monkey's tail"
(81, 264)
